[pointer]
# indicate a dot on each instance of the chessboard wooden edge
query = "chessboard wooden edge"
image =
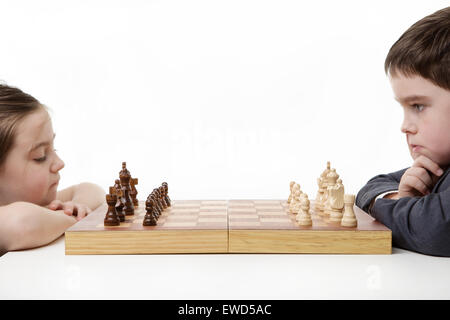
(230, 241)
(308, 241)
(135, 242)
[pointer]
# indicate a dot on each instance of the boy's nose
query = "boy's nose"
(408, 126)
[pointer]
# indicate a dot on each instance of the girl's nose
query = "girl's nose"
(57, 165)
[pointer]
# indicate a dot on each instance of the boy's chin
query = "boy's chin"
(442, 163)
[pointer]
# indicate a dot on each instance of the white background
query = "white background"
(221, 99)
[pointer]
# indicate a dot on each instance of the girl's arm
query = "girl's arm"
(26, 225)
(88, 194)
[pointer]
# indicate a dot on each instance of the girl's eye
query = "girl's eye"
(41, 159)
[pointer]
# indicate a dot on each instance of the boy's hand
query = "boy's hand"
(420, 178)
(70, 208)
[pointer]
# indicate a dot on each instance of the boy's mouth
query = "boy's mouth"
(415, 147)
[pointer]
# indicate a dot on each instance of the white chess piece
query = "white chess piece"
(321, 193)
(331, 181)
(295, 202)
(304, 216)
(291, 186)
(296, 192)
(336, 201)
(349, 218)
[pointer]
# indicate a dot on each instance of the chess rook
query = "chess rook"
(349, 217)
(111, 218)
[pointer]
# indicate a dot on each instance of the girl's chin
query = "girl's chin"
(49, 198)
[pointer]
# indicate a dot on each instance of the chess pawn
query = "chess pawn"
(111, 218)
(349, 218)
(295, 193)
(304, 216)
(291, 185)
(125, 177)
(149, 219)
(295, 202)
(157, 210)
(166, 193)
(161, 195)
(156, 199)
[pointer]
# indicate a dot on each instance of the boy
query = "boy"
(415, 202)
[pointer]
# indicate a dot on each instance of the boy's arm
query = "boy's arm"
(420, 224)
(26, 225)
(376, 186)
(88, 194)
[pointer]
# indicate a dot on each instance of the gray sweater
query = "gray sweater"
(420, 224)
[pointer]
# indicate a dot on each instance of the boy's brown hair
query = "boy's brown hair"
(424, 50)
(14, 106)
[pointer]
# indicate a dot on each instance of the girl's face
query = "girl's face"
(31, 170)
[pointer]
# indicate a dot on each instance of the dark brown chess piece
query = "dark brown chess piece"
(166, 194)
(149, 219)
(158, 200)
(161, 196)
(134, 192)
(125, 177)
(117, 189)
(111, 218)
(157, 209)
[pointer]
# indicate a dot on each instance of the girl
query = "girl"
(32, 212)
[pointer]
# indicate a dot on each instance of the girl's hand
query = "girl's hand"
(70, 208)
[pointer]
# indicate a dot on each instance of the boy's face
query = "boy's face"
(30, 172)
(426, 122)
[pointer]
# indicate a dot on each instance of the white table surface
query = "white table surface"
(47, 273)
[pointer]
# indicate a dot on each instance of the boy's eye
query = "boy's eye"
(418, 107)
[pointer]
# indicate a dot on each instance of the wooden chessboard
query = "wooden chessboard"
(188, 226)
(266, 226)
(226, 226)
